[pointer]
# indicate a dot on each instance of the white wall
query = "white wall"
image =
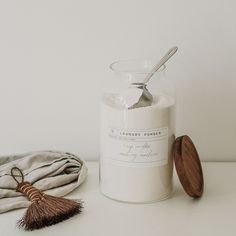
(54, 56)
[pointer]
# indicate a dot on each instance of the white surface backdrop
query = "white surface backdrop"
(54, 56)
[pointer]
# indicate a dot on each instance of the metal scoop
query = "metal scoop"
(146, 97)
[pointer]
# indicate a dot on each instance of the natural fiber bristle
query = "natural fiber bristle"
(45, 210)
(48, 211)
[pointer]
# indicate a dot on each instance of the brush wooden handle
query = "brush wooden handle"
(32, 193)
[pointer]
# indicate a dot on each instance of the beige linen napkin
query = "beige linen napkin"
(55, 173)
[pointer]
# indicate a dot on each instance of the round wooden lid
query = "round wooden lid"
(188, 166)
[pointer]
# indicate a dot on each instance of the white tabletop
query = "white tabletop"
(214, 214)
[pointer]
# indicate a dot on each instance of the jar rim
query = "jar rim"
(135, 66)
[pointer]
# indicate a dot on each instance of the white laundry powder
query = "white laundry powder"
(128, 97)
(135, 160)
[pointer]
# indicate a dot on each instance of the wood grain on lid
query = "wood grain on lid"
(188, 166)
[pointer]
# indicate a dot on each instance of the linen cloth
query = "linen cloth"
(55, 173)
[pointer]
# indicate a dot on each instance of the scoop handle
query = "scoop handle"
(163, 60)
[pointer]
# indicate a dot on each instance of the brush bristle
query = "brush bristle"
(48, 211)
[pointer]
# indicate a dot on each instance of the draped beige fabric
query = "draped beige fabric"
(55, 173)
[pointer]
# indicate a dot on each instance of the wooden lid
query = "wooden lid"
(188, 166)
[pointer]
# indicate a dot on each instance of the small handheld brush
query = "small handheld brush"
(45, 210)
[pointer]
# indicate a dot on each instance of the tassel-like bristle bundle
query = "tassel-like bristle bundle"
(45, 210)
(48, 211)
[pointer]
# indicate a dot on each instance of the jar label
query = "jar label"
(137, 147)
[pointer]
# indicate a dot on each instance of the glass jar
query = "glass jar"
(135, 141)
